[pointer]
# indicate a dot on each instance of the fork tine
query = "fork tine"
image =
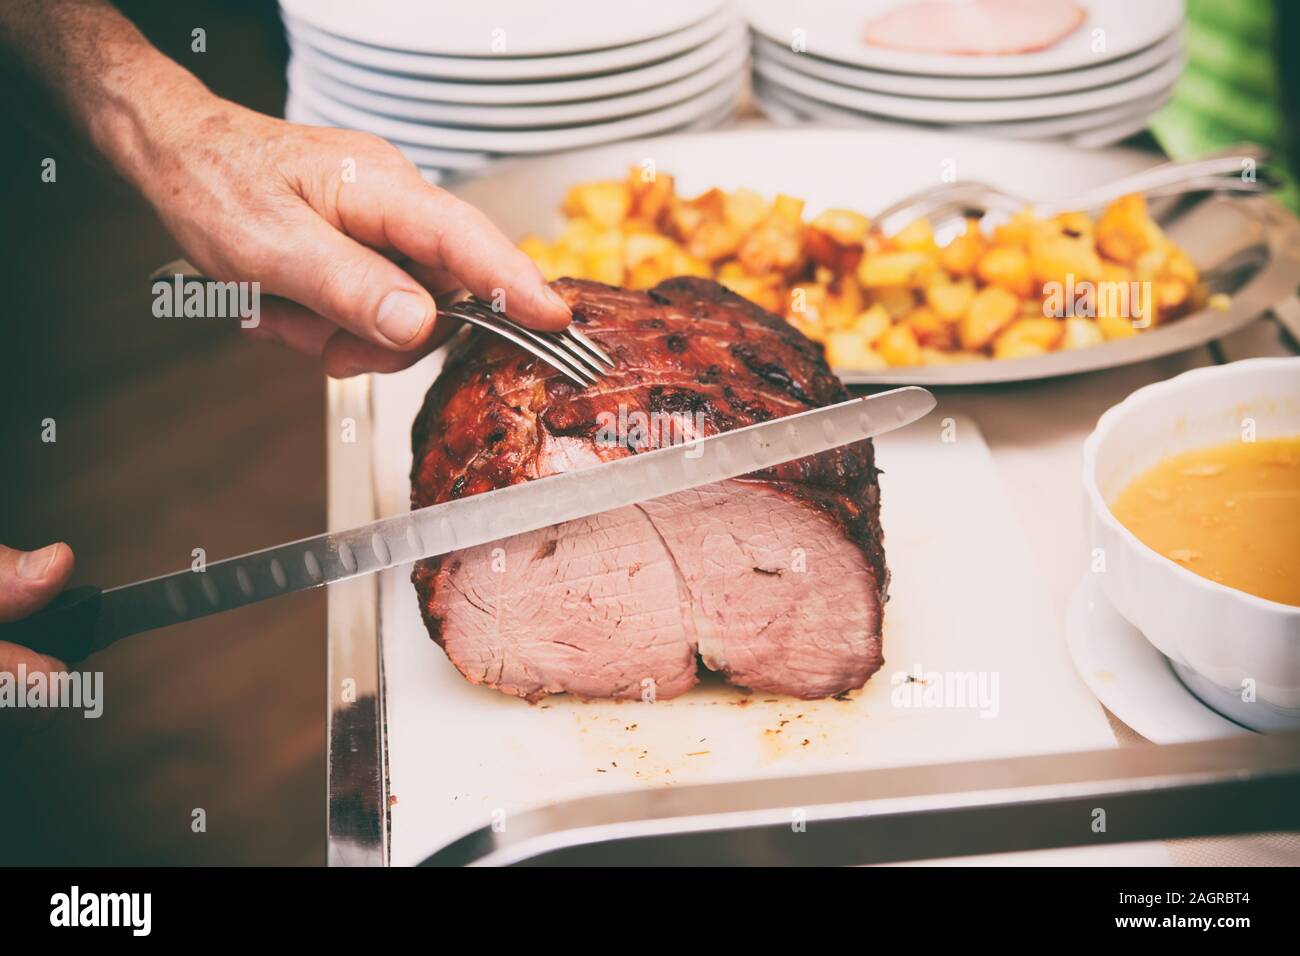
(579, 351)
(596, 349)
(541, 341)
(492, 324)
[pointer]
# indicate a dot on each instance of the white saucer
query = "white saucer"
(835, 31)
(1130, 677)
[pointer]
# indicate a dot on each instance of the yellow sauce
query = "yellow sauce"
(1229, 513)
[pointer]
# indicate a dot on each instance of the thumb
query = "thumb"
(31, 579)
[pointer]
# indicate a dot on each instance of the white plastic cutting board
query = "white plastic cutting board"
(965, 597)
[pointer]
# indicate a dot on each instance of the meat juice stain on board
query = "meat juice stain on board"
(712, 727)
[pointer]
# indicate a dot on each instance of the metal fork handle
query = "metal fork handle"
(1169, 179)
(1206, 173)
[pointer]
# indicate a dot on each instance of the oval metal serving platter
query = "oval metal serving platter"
(1247, 247)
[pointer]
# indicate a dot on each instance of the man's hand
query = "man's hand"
(29, 580)
(338, 224)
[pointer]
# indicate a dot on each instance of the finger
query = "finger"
(358, 289)
(31, 579)
(346, 355)
(289, 324)
(15, 660)
(435, 228)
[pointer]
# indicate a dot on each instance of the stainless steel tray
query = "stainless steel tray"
(954, 796)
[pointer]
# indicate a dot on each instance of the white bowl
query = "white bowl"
(1226, 645)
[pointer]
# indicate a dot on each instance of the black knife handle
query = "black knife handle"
(65, 629)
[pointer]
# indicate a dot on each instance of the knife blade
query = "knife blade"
(85, 620)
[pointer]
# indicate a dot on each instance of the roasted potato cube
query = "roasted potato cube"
(843, 225)
(916, 236)
(651, 194)
(1063, 260)
(775, 245)
(899, 347)
(896, 269)
(788, 208)
(929, 329)
(714, 240)
(1125, 230)
(1018, 230)
(872, 324)
(962, 255)
(847, 350)
(1028, 337)
(950, 300)
(836, 238)
(844, 300)
(1116, 326)
(992, 309)
(1179, 266)
(745, 209)
(897, 300)
(1074, 224)
(1170, 294)
(807, 301)
(1008, 267)
(606, 203)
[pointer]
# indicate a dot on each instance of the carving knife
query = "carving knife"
(87, 619)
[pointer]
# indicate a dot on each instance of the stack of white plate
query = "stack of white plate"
(1097, 85)
(455, 86)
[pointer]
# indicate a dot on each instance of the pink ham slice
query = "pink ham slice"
(975, 27)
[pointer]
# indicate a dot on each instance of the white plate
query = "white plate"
(1101, 122)
(510, 68)
(520, 94)
(532, 116)
(930, 110)
(524, 141)
(869, 169)
(973, 88)
(1131, 678)
(525, 27)
(834, 31)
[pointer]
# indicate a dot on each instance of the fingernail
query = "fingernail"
(401, 316)
(554, 299)
(32, 565)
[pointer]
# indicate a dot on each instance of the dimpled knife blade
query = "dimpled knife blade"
(493, 515)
